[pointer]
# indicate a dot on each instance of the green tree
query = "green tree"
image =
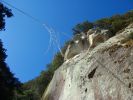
(39, 84)
(104, 23)
(8, 83)
(4, 12)
(82, 27)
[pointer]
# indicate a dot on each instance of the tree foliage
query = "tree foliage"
(113, 24)
(9, 85)
(82, 27)
(116, 22)
(39, 84)
(4, 12)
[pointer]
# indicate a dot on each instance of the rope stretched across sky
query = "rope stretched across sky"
(51, 31)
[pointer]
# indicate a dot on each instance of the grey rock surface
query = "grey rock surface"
(83, 41)
(104, 73)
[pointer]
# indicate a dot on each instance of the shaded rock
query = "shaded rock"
(97, 37)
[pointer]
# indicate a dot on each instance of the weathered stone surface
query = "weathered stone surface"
(82, 42)
(97, 37)
(104, 73)
(79, 44)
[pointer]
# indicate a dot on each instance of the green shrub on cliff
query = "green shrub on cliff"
(82, 27)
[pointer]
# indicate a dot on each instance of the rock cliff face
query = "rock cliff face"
(104, 73)
(84, 41)
(79, 44)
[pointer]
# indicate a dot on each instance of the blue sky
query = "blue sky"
(26, 41)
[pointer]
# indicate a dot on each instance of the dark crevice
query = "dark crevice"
(91, 74)
(129, 85)
(86, 90)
